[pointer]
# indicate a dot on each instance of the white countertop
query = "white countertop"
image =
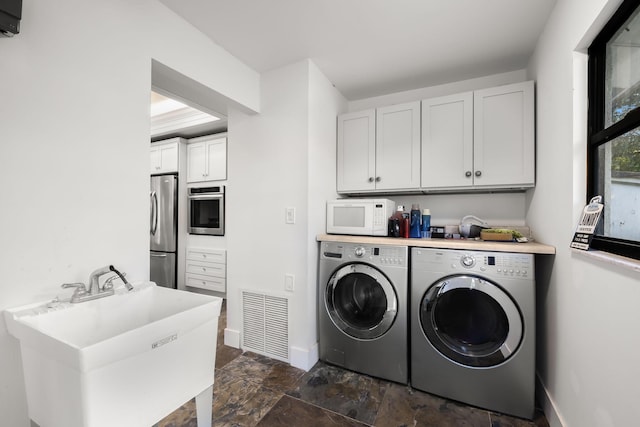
(479, 245)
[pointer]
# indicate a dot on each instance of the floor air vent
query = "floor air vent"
(265, 325)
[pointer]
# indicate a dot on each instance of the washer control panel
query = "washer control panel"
(377, 255)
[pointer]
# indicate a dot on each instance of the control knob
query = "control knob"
(467, 261)
(360, 251)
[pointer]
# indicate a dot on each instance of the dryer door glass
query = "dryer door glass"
(471, 321)
(361, 301)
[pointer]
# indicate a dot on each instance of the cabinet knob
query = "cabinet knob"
(370, 179)
(467, 174)
(378, 179)
(478, 173)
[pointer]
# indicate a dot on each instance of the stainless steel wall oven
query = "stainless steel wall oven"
(206, 211)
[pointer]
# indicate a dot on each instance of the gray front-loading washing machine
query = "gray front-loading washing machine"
(363, 308)
(473, 328)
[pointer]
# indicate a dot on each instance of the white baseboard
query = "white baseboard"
(232, 338)
(304, 358)
(548, 405)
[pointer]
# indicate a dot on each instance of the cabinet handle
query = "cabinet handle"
(478, 173)
(378, 179)
(467, 174)
(370, 179)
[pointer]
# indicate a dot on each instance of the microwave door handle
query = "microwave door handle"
(154, 213)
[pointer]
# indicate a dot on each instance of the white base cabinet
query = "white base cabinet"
(206, 269)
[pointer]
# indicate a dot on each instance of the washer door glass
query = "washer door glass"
(361, 301)
(471, 321)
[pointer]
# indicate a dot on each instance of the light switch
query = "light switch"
(289, 281)
(290, 217)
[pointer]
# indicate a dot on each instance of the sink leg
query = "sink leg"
(204, 407)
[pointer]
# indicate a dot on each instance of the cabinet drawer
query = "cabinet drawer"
(208, 255)
(218, 284)
(206, 268)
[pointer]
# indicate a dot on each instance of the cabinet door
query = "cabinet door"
(164, 158)
(447, 141)
(216, 159)
(398, 147)
(156, 160)
(504, 140)
(169, 157)
(356, 151)
(196, 162)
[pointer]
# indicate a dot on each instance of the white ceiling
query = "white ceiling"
(375, 47)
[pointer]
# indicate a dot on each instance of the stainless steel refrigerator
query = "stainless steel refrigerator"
(163, 230)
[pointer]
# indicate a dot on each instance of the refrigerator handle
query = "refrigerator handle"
(154, 213)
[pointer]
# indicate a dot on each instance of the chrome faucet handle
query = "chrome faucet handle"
(78, 285)
(81, 289)
(108, 284)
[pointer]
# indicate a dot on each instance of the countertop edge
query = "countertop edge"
(479, 245)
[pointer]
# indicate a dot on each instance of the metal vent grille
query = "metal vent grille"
(265, 325)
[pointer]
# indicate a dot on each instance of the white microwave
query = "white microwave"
(366, 217)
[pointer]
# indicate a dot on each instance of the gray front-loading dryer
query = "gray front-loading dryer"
(362, 308)
(473, 328)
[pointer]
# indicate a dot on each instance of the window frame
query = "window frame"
(597, 134)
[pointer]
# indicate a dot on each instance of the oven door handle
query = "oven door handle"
(206, 196)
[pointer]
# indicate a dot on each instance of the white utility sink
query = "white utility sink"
(128, 359)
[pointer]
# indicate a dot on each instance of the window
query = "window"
(614, 131)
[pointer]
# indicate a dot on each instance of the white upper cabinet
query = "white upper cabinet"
(479, 140)
(398, 147)
(356, 155)
(447, 141)
(504, 136)
(207, 159)
(379, 150)
(164, 156)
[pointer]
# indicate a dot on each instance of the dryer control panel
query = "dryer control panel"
(495, 264)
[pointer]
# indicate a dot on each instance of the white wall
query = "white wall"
(588, 342)
(74, 156)
(272, 166)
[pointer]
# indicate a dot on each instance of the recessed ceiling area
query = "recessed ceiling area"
(179, 106)
(368, 48)
(170, 117)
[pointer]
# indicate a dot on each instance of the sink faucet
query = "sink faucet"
(95, 291)
(94, 283)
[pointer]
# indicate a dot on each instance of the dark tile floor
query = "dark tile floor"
(254, 390)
